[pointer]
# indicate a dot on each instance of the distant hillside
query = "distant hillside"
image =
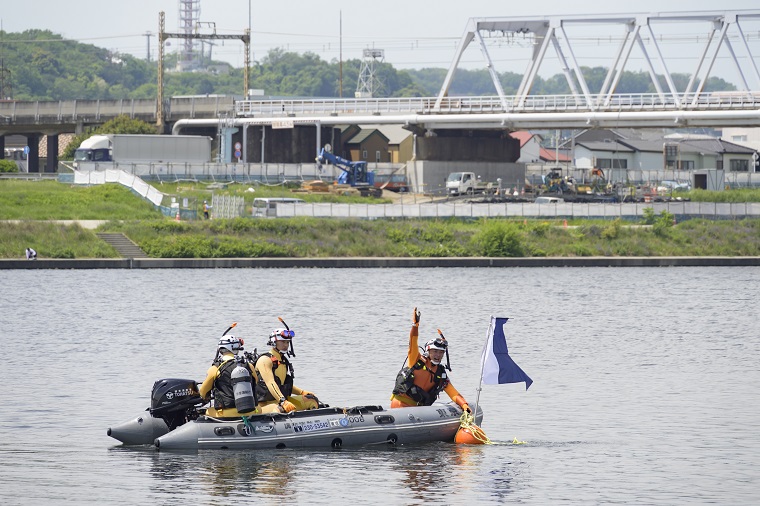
(42, 65)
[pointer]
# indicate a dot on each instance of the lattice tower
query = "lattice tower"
(189, 16)
(369, 84)
(6, 88)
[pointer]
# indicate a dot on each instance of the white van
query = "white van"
(548, 200)
(267, 207)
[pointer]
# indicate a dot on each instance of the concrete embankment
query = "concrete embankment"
(373, 262)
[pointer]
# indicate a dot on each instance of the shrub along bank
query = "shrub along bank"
(312, 237)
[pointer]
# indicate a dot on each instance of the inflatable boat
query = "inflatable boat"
(175, 421)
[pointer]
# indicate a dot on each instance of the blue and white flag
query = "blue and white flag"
(498, 366)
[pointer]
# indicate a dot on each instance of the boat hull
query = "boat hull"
(320, 428)
(140, 430)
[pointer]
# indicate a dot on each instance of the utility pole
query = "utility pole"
(6, 88)
(160, 93)
(147, 45)
(162, 36)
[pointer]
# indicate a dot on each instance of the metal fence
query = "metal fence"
(567, 210)
(411, 206)
(227, 206)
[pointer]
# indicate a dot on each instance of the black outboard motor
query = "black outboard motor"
(175, 401)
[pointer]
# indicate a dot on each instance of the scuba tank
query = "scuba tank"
(242, 388)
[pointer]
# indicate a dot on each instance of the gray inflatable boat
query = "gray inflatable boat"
(177, 423)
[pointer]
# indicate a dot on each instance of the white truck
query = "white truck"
(466, 183)
(144, 148)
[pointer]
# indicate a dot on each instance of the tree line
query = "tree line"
(42, 65)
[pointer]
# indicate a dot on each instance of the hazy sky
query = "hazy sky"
(413, 33)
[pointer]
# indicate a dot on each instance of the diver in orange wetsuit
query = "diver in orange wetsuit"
(423, 376)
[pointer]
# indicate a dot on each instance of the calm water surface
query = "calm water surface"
(647, 383)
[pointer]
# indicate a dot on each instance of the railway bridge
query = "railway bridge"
(729, 37)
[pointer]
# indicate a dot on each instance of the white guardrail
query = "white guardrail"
(124, 178)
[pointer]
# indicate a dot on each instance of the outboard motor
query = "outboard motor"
(242, 388)
(175, 401)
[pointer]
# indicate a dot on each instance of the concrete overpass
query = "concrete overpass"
(33, 119)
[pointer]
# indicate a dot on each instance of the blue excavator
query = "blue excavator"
(355, 174)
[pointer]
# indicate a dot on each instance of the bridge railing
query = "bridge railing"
(73, 110)
(99, 110)
(494, 104)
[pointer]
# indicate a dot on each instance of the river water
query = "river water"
(646, 383)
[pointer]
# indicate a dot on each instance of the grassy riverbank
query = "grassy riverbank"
(309, 237)
(161, 237)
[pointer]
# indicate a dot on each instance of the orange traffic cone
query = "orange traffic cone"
(176, 218)
(564, 223)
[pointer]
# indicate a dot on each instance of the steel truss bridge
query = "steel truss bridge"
(731, 35)
(726, 35)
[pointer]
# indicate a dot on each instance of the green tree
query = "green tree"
(45, 66)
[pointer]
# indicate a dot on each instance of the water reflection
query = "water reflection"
(224, 474)
(263, 472)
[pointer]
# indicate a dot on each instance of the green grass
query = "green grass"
(51, 200)
(51, 240)
(318, 237)
(33, 202)
(734, 195)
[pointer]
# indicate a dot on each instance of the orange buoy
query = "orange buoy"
(470, 435)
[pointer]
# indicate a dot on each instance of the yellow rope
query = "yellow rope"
(467, 421)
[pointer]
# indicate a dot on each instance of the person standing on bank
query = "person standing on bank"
(423, 376)
(206, 209)
(275, 390)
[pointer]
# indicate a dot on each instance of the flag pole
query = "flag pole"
(482, 366)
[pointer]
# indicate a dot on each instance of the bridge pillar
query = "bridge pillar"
(33, 159)
(448, 145)
(286, 145)
(2, 147)
(51, 164)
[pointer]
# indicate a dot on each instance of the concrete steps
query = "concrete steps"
(123, 245)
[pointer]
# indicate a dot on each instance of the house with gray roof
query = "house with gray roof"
(653, 150)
